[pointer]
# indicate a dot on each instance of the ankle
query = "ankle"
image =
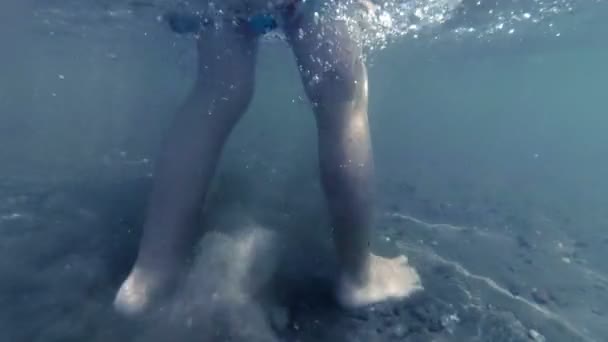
(358, 272)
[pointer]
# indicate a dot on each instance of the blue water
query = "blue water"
(488, 124)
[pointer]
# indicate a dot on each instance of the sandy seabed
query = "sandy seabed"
(260, 275)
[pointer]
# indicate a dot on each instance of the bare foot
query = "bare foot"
(141, 288)
(386, 279)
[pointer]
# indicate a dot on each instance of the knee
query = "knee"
(237, 94)
(338, 83)
(225, 94)
(339, 100)
(226, 80)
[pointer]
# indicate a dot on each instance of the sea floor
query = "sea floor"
(66, 246)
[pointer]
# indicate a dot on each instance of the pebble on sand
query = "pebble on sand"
(541, 296)
(536, 336)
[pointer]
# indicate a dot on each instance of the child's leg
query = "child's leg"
(335, 80)
(222, 92)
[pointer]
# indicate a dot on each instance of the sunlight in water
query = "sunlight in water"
(382, 21)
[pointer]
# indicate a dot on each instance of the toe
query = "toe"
(129, 303)
(402, 259)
